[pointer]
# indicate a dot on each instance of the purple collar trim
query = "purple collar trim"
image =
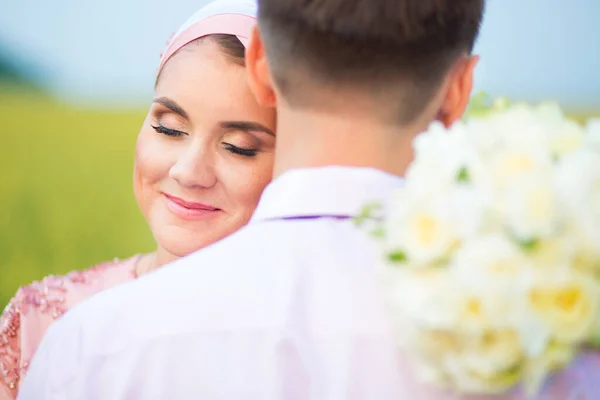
(310, 217)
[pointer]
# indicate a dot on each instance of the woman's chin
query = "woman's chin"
(177, 250)
(180, 242)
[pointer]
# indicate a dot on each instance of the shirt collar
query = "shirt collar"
(324, 191)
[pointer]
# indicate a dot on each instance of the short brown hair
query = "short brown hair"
(395, 46)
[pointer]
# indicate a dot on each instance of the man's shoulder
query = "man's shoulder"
(245, 281)
(239, 281)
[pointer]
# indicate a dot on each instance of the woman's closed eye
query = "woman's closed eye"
(242, 151)
(241, 143)
(166, 131)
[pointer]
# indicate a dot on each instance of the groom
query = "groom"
(288, 307)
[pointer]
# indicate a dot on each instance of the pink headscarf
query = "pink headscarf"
(232, 17)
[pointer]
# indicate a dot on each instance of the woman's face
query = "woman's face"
(205, 151)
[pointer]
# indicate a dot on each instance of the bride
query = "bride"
(203, 157)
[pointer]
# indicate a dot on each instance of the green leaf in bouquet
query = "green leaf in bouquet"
(500, 104)
(367, 213)
(529, 245)
(378, 232)
(463, 175)
(509, 377)
(397, 256)
(482, 105)
(478, 106)
(595, 341)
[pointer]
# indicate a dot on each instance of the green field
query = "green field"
(65, 188)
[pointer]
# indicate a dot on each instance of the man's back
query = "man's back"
(288, 307)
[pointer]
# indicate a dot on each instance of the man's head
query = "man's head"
(402, 59)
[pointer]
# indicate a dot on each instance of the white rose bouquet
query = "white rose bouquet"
(492, 248)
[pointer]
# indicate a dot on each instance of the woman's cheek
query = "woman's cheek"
(152, 164)
(248, 184)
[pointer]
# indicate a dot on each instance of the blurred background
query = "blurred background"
(76, 78)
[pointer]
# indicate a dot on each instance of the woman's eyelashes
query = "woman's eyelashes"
(240, 150)
(166, 131)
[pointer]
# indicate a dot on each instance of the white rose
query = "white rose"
(482, 136)
(488, 259)
(422, 234)
(592, 134)
(559, 249)
(578, 187)
(493, 275)
(488, 363)
(426, 227)
(549, 114)
(441, 156)
(555, 356)
(566, 303)
(565, 138)
(523, 145)
(513, 162)
(530, 207)
(521, 126)
(421, 298)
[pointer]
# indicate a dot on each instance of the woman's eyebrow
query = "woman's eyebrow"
(171, 105)
(246, 126)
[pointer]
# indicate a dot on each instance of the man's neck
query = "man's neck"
(311, 139)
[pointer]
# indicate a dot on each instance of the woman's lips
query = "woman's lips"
(190, 210)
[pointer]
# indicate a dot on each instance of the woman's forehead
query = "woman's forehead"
(206, 83)
(203, 65)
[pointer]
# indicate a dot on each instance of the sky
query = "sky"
(106, 52)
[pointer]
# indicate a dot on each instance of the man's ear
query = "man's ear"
(259, 76)
(459, 91)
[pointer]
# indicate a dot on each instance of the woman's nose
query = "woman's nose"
(195, 166)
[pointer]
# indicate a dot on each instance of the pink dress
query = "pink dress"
(35, 307)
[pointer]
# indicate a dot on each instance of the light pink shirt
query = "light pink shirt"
(35, 307)
(284, 309)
